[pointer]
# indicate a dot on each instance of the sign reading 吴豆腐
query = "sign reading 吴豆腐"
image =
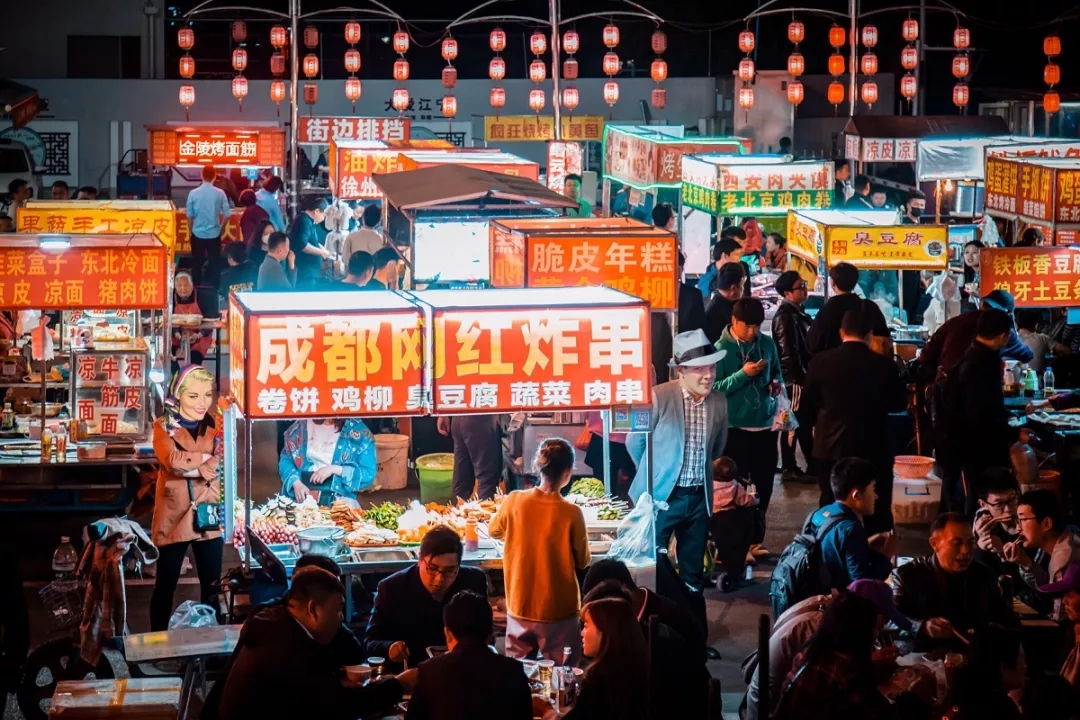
(321, 130)
(1036, 277)
(508, 128)
(915, 247)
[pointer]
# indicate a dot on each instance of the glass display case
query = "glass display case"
(110, 389)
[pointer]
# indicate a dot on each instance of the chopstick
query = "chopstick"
(962, 638)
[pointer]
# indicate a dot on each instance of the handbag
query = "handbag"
(205, 516)
(582, 442)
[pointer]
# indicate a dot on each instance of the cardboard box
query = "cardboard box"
(141, 699)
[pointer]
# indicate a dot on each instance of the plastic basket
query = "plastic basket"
(64, 603)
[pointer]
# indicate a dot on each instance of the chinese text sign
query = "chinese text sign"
(915, 247)
(321, 130)
(83, 278)
(507, 128)
(232, 231)
(114, 220)
(1036, 277)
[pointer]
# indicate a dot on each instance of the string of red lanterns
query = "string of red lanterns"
(449, 77)
(961, 67)
(835, 93)
(571, 42)
(747, 41)
(658, 70)
(537, 71)
(185, 38)
(909, 59)
(353, 88)
(796, 64)
(278, 39)
(1051, 73)
(239, 63)
(497, 69)
(399, 100)
(869, 63)
(611, 66)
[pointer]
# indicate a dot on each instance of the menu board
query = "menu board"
(111, 391)
(320, 130)
(1036, 277)
(917, 247)
(113, 217)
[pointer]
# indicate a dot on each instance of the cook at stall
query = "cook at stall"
(328, 459)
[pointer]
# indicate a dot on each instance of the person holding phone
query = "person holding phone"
(328, 460)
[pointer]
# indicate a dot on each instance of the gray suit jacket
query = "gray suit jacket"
(669, 437)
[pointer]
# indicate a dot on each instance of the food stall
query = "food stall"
(318, 132)
(91, 308)
(102, 217)
(1035, 192)
(438, 218)
(494, 161)
(439, 352)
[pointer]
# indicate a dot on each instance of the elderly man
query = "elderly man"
(689, 426)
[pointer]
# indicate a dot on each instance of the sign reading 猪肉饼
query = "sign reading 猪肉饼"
(321, 130)
(1035, 276)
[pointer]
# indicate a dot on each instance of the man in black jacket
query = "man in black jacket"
(861, 199)
(728, 288)
(824, 333)
(408, 615)
(470, 682)
(790, 325)
(851, 390)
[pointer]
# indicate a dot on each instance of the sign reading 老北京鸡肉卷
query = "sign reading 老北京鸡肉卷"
(83, 278)
(1036, 277)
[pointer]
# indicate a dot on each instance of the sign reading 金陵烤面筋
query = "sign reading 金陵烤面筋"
(506, 128)
(321, 130)
(1036, 277)
(83, 278)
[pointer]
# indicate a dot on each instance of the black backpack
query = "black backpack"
(799, 573)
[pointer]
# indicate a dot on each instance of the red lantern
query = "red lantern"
(311, 37)
(869, 92)
(611, 36)
(497, 40)
(1051, 74)
(570, 69)
(538, 43)
(869, 36)
(279, 36)
(187, 67)
(836, 93)
(611, 64)
(277, 64)
(836, 64)
(352, 90)
(837, 36)
(909, 86)
(537, 71)
(311, 65)
(658, 98)
(240, 88)
(1051, 46)
(869, 64)
(400, 99)
(746, 98)
(449, 106)
(746, 41)
(239, 59)
(746, 70)
(658, 70)
(497, 97)
(659, 42)
(497, 69)
(277, 91)
(187, 96)
(239, 31)
(795, 92)
(352, 33)
(537, 100)
(1051, 102)
(796, 32)
(570, 98)
(910, 30)
(401, 70)
(961, 39)
(311, 93)
(909, 58)
(449, 49)
(571, 42)
(449, 76)
(960, 94)
(352, 61)
(185, 38)
(961, 66)
(611, 92)
(401, 42)
(796, 64)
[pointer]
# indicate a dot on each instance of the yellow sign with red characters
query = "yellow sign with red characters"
(107, 217)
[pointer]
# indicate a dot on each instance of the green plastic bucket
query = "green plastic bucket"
(436, 473)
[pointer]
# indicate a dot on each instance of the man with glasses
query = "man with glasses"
(1045, 546)
(996, 526)
(790, 325)
(408, 615)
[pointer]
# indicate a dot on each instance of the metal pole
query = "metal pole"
(294, 111)
(853, 76)
(555, 39)
(919, 106)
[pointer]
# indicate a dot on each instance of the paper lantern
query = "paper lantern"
(537, 100)
(658, 98)
(746, 70)
(570, 69)
(910, 30)
(611, 92)
(497, 69)
(869, 64)
(277, 91)
(311, 37)
(837, 36)
(537, 71)
(836, 64)
(239, 60)
(796, 32)
(497, 97)
(658, 70)
(449, 49)
(570, 98)
(352, 32)
(960, 94)
(449, 106)
(497, 40)
(279, 36)
(311, 65)
(352, 61)
(869, 92)
(1051, 102)
(401, 42)
(611, 36)
(311, 93)
(1052, 74)
(961, 66)
(400, 99)
(795, 92)
(185, 38)
(746, 41)
(746, 97)
(187, 67)
(796, 64)
(611, 64)
(352, 90)
(401, 70)
(187, 96)
(835, 93)
(909, 58)
(659, 42)
(961, 38)
(909, 86)
(449, 76)
(239, 31)
(240, 88)
(571, 42)
(277, 64)
(1051, 46)
(538, 43)
(869, 36)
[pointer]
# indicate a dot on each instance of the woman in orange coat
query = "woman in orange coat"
(185, 443)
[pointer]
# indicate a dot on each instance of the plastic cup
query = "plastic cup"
(358, 674)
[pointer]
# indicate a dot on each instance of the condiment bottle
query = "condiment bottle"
(46, 444)
(8, 421)
(472, 538)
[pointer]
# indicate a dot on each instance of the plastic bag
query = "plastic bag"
(634, 543)
(190, 614)
(784, 419)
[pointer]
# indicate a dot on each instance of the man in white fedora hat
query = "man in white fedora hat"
(689, 429)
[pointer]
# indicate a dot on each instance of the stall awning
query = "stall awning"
(449, 184)
(893, 138)
(20, 103)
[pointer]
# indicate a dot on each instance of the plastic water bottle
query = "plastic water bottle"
(1048, 383)
(64, 560)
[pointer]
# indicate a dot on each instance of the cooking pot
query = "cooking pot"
(326, 541)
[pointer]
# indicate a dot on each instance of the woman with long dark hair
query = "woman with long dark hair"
(969, 292)
(257, 242)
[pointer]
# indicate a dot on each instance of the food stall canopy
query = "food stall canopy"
(1040, 192)
(620, 253)
(224, 146)
(320, 130)
(755, 184)
(894, 138)
(644, 157)
(1040, 277)
(101, 217)
(499, 162)
(83, 272)
(964, 158)
(457, 184)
